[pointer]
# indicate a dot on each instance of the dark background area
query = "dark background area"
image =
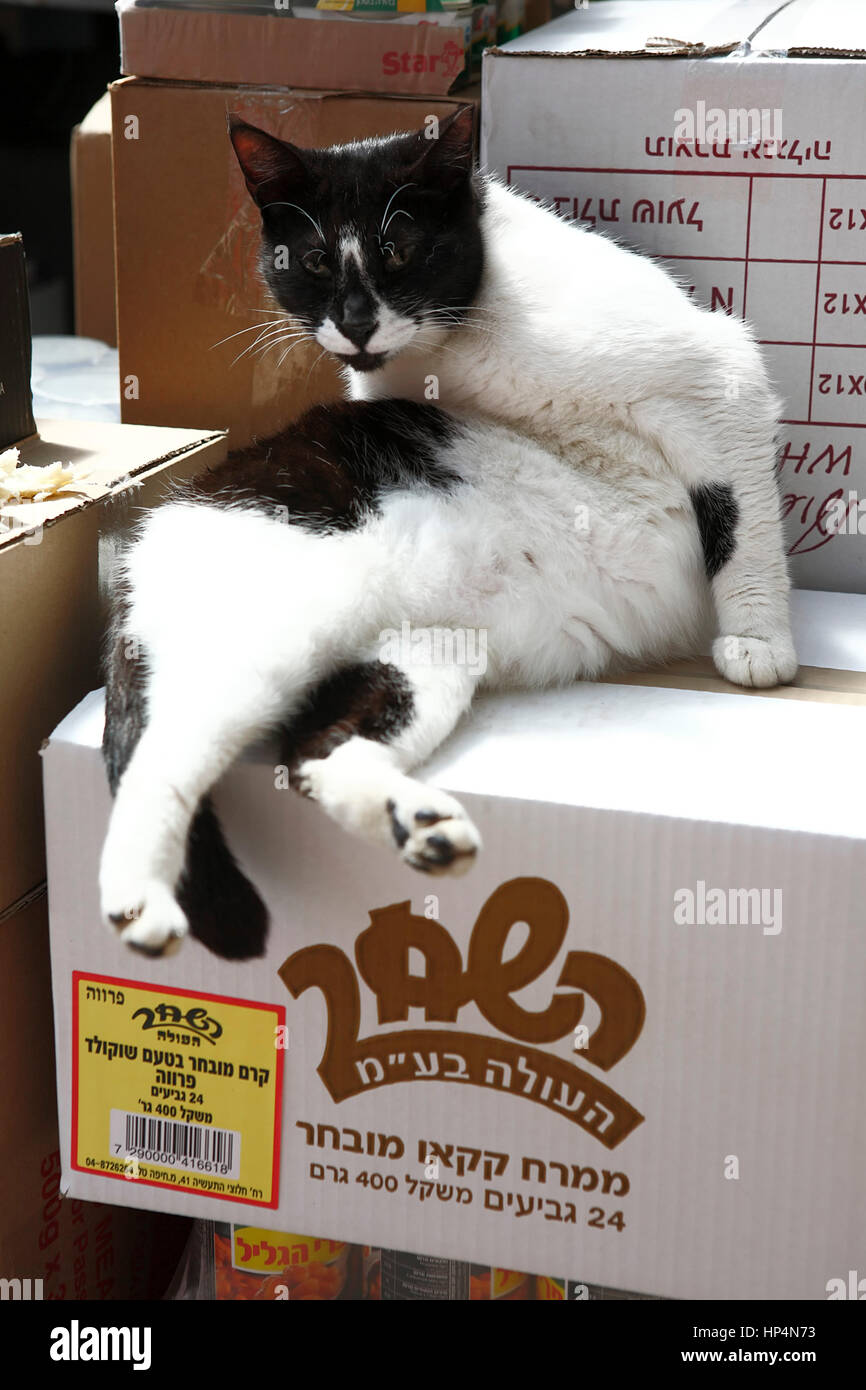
(54, 64)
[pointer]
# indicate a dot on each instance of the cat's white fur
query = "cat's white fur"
(594, 336)
(596, 395)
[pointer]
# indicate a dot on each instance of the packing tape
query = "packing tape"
(821, 684)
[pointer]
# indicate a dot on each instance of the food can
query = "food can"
(252, 1263)
(410, 1278)
(491, 1283)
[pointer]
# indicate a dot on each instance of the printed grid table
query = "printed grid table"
(809, 310)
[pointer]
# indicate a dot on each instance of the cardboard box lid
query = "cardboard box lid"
(112, 456)
(816, 28)
(702, 29)
(283, 50)
(726, 757)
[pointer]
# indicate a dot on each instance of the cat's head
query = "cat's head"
(372, 244)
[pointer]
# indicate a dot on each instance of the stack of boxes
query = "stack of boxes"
(50, 632)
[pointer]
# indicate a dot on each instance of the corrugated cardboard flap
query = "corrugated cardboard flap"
(112, 454)
(633, 29)
(704, 29)
(816, 29)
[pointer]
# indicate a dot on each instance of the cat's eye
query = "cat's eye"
(316, 263)
(396, 258)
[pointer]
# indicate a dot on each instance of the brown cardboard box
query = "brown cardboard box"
(50, 620)
(588, 1127)
(187, 236)
(93, 225)
(55, 1247)
(314, 49)
(50, 625)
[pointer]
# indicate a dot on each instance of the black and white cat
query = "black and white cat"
(596, 478)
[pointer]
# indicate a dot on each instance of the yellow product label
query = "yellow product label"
(176, 1089)
(267, 1251)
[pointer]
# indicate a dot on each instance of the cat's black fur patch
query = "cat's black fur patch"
(398, 829)
(370, 700)
(224, 910)
(717, 515)
(329, 471)
(125, 705)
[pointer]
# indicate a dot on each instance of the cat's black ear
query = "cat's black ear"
(272, 168)
(445, 156)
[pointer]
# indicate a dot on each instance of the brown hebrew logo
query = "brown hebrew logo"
(351, 1065)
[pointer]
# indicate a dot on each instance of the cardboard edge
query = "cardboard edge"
(139, 474)
(820, 52)
(81, 132)
(467, 93)
(682, 51)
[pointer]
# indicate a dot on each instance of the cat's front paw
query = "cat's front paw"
(147, 918)
(433, 832)
(755, 661)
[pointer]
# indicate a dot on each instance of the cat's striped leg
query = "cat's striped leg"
(199, 719)
(363, 733)
(745, 561)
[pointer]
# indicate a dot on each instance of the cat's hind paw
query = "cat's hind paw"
(434, 834)
(148, 920)
(755, 661)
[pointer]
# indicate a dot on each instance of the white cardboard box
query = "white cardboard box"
(609, 114)
(704, 1137)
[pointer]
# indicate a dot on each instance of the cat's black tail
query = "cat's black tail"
(224, 911)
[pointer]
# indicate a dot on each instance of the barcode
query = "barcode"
(175, 1144)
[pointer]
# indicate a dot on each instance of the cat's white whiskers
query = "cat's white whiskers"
(315, 364)
(265, 348)
(303, 214)
(431, 343)
(250, 348)
(291, 349)
(383, 225)
(260, 346)
(250, 328)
